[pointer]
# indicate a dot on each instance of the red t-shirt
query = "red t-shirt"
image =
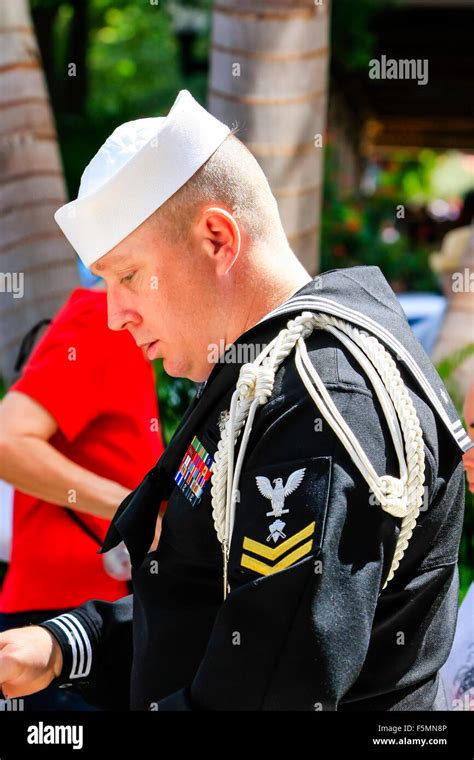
(100, 389)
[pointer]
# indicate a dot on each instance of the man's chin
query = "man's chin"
(185, 371)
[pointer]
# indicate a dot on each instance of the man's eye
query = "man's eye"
(127, 277)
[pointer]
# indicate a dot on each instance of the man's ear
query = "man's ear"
(221, 238)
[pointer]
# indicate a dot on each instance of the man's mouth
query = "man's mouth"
(151, 349)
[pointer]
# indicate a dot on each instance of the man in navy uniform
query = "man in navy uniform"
(308, 552)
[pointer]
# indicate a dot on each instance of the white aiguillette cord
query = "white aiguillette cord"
(401, 497)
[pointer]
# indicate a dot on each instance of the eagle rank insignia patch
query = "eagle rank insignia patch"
(280, 515)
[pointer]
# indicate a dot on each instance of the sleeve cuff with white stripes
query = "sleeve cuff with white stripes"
(77, 638)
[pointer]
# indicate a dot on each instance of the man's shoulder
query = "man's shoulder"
(292, 418)
(334, 363)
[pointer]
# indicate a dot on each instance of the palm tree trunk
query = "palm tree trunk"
(269, 75)
(33, 250)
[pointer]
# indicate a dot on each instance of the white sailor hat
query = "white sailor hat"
(142, 164)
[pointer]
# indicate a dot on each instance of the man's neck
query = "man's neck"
(263, 301)
(278, 299)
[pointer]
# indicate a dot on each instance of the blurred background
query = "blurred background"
(368, 168)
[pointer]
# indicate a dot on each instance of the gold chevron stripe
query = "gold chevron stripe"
(264, 569)
(266, 551)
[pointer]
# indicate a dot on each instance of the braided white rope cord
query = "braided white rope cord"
(401, 497)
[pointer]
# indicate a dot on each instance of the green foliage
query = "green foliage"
(446, 368)
(133, 61)
(351, 234)
(174, 396)
(352, 42)
(426, 176)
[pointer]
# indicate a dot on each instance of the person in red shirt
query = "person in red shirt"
(78, 432)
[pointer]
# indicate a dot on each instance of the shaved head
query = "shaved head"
(233, 179)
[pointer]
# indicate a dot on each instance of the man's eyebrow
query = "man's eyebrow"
(98, 267)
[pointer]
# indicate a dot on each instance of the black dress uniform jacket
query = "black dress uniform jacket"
(306, 625)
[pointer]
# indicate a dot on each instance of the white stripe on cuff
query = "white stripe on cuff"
(79, 643)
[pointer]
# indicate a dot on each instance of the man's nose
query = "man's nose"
(119, 315)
